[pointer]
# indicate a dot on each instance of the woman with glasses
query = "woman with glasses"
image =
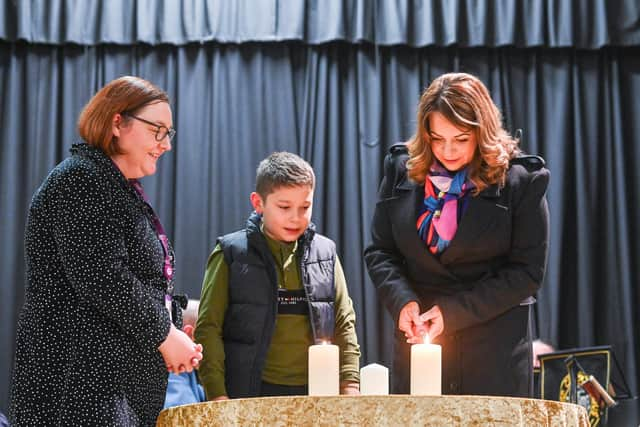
(95, 337)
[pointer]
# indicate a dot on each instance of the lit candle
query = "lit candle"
(324, 377)
(374, 379)
(426, 369)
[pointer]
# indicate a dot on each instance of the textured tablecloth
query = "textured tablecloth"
(392, 410)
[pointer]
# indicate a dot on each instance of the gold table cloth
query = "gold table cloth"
(391, 410)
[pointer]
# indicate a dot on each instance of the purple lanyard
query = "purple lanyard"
(168, 269)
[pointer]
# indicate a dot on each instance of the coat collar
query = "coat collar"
(104, 162)
(406, 184)
(255, 234)
(404, 212)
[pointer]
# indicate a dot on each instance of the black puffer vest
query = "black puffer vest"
(253, 300)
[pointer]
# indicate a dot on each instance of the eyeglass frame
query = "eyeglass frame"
(171, 132)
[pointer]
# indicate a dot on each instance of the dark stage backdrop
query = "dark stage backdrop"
(339, 85)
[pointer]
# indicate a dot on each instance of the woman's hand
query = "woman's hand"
(180, 354)
(223, 397)
(411, 324)
(434, 321)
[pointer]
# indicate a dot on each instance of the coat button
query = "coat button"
(453, 387)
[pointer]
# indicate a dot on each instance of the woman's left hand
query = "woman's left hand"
(179, 352)
(434, 321)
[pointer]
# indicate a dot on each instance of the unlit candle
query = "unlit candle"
(374, 379)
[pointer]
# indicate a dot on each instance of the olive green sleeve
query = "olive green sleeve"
(345, 329)
(213, 306)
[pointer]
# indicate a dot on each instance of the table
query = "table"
(392, 410)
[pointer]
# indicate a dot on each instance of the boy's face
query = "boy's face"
(286, 212)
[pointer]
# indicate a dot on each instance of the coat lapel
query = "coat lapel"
(479, 216)
(403, 212)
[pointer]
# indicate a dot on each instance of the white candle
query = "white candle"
(374, 379)
(426, 369)
(324, 367)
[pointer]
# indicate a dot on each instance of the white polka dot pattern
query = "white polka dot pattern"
(93, 315)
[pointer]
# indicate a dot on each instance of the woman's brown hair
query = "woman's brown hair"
(465, 101)
(125, 94)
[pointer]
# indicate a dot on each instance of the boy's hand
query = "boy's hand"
(349, 387)
(215, 399)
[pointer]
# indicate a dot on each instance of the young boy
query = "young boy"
(272, 290)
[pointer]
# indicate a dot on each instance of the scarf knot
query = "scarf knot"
(440, 212)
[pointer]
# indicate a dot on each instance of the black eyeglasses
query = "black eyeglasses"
(161, 131)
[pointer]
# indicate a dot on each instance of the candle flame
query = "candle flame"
(425, 339)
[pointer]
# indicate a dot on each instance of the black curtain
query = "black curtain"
(586, 24)
(341, 104)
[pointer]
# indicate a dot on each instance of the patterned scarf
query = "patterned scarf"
(440, 212)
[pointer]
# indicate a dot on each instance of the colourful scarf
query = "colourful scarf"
(439, 215)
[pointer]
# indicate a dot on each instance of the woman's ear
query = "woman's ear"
(256, 202)
(115, 124)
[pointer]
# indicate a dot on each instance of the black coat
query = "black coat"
(495, 262)
(94, 312)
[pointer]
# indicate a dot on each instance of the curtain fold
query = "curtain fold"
(341, 106)
(338, 82)
(585, 24)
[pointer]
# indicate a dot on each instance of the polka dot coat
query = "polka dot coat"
(94, 312)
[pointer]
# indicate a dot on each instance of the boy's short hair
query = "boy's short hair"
(283, 169)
